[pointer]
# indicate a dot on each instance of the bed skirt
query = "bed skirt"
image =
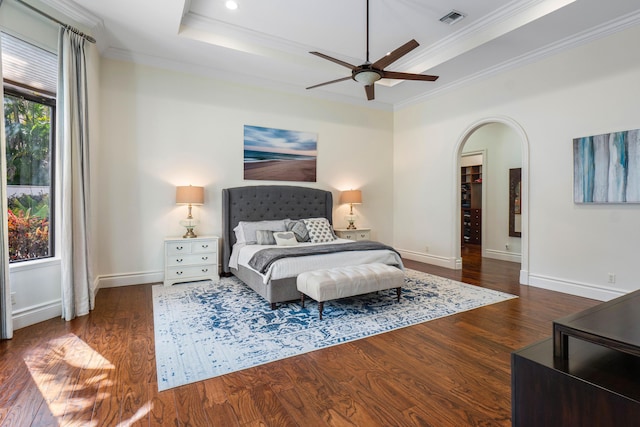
(275, 291)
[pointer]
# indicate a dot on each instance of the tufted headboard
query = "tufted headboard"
(268, 202)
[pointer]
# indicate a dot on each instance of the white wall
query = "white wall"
(163, 128)
(589, 90)
(502, 149)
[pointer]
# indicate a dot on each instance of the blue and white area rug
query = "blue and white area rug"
(205, 329)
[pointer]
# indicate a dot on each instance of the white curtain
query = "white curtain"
(73, 143)
(6, 322)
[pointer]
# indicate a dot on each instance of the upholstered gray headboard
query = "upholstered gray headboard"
(267, 202)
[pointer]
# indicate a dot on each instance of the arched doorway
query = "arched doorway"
(524, 190)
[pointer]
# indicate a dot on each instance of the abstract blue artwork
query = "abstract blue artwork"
(606, 168)
(279, 154)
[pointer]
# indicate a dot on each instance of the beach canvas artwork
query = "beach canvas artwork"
(606, 168)
(279, 155)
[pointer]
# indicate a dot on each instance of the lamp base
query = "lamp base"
(189, 234)
(351, 218)
(189, 224)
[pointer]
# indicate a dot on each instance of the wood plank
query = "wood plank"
(162, 407)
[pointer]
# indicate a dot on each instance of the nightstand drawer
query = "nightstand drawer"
(357, 234)
(191, 259)
(188, 272)
(176, 248)
(204, 246)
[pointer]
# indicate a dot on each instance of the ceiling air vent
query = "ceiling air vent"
(452, 17)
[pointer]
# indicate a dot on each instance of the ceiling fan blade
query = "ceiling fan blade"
(395, 55)
(328, 83)
(337, 61)
(408, 76)
(369, 92)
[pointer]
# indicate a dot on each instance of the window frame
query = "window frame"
(33, 95)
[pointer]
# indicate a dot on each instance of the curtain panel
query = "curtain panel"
(73, 142)
(6, 320)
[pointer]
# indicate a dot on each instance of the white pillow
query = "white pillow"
(285, 238)
(320, 230)
(246, 230)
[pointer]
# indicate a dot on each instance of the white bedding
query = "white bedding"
(291, 267)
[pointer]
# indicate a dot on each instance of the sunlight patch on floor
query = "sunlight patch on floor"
(71, 376)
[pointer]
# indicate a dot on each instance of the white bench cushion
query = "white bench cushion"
(342, 282)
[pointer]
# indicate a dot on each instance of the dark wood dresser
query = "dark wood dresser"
(591, 382)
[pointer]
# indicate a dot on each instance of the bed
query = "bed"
(266, 204)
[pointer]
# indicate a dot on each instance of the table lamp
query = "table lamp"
(353, 197)
(189, 195)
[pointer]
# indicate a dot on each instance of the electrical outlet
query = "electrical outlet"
(506, 247)
(612, 277)
(13, 298)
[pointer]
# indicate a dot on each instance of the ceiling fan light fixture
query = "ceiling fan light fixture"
(367, 77)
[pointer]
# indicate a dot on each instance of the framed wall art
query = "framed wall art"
(279, 155)
(606, 168)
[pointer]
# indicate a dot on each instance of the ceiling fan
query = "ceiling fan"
(369, 73)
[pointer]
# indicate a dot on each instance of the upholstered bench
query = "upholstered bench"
(342, 282)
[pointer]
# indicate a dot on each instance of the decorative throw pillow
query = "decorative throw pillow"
(265, 237)
(320, 230)
(299, 229)
(285, 238)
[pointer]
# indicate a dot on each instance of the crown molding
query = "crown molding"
(585, 37)
(80, 17)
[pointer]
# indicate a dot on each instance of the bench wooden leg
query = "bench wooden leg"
(320, 308)
(398, 291)
(302, 299)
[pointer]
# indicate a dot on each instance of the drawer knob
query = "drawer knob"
(204, 258)
(179, 273)
(179, 260)
(205, 246)
(179, 248)
(204, 270)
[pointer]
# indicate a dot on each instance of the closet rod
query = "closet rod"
(67, 26)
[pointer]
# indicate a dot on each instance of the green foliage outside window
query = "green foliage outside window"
(28, 139)
(28, 227)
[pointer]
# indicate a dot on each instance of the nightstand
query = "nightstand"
(357, 234)
(188, 260)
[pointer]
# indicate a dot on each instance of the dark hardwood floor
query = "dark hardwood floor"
(99, 370)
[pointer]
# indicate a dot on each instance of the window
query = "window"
(29, 76)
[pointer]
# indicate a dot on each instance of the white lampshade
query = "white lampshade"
(367, 77)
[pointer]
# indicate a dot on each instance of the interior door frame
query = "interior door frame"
(524, 202)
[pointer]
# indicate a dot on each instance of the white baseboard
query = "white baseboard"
(503, 255)
(585, 290)
(39, 313)
(440, 261)
(128, 279)
(36, 313)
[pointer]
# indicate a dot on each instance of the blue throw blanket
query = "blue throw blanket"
(262, 260)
